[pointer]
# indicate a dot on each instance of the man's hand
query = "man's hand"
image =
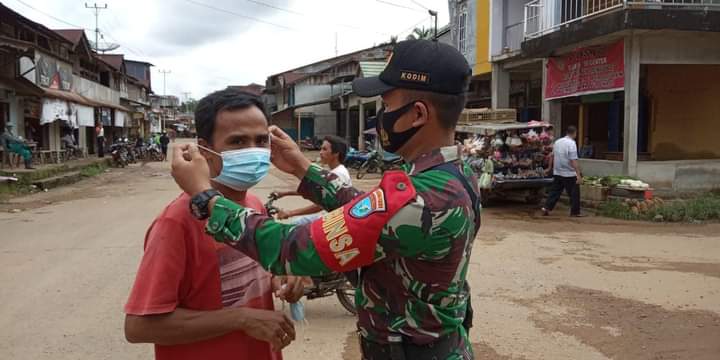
(286, 155)
(190, 169)
(284, 214)
(290, 288)
(273, 327)
(579, 179)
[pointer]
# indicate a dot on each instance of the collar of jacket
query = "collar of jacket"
(435, 157)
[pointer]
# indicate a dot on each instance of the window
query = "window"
(462, 26)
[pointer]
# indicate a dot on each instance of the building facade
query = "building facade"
(53, 84)
(637, 78)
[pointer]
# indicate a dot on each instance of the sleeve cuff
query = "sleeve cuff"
(222, 211)
(313, 177)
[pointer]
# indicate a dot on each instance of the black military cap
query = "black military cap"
(420, 65)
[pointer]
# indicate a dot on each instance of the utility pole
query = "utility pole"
(336, 50)
(186, 95)
(164, 74)
(97, 9)
(434, 14)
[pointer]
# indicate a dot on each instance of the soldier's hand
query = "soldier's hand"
(190, 169)
(273, 327)
(286, 155)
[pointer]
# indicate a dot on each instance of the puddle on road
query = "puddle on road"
(484, 351)
(628, 329)
(707, 269)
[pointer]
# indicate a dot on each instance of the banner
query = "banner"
(586, 71)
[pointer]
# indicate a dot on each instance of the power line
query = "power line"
(419, 4)
(132, 50)
(412, 27)
(53, 17)
(138, 53)
(239, 15)
(275, 7)
(294, 12)
(398, 5)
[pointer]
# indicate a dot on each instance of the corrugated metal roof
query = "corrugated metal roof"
(371, 68)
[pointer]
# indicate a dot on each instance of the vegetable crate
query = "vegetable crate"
(472, 116)
(593, 193)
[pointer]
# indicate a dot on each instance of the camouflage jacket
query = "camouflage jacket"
(414, 285)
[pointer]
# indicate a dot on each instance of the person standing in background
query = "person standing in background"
(164, 141)
(100, 139)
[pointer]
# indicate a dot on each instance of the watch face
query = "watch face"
(195, 210)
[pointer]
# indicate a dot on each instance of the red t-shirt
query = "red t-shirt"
(184, 267)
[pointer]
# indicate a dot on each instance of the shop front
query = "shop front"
(645, 105)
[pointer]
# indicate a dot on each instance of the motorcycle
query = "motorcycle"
(327, 285)
(119, 154)
(379, 162)
(354, 158)
(153, 152)
(310, 144)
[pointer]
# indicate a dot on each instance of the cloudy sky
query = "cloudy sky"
(209, 44)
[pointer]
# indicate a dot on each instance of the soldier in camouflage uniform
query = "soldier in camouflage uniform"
(411, 236)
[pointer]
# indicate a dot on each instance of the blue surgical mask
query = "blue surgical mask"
(297, 311)
(244, 168)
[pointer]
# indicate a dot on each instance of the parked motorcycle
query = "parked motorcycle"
(354, 158)
(153, 152)
(310, 144)
(379, 162)
(119, 154)
(327, 285)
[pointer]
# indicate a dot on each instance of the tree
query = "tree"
(189, 106)
(420, 34)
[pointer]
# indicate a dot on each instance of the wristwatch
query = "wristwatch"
(199, 203)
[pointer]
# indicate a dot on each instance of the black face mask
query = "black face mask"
(391, 140)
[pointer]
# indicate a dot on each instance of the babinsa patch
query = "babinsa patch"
(374, 202)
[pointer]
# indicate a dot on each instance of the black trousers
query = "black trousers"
(569, 184)
(101, 146)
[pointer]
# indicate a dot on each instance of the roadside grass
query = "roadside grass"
(705, 207)
(94, 170)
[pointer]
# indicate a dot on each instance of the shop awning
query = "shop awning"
(85, 115)
(98, 103)
(67, 96)
(21, 86)
(371, 68)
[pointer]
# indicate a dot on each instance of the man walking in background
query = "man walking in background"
(566, 174)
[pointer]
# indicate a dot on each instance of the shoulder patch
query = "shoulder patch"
(345, 238)
(371, 203)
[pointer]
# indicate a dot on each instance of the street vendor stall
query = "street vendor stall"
(510, 159)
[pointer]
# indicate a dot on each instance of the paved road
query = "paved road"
(543, 288)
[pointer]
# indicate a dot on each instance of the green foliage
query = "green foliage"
(420, 33)
(94, 169)
(701, 208)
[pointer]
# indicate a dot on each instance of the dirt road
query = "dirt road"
(543, 288)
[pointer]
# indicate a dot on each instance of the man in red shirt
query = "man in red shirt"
(195, 298)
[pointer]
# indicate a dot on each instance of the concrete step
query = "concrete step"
(59, 180)
(48, 171)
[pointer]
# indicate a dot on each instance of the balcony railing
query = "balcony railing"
(545, 16)
(513, 38)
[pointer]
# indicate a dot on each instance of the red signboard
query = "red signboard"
(586, 71)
